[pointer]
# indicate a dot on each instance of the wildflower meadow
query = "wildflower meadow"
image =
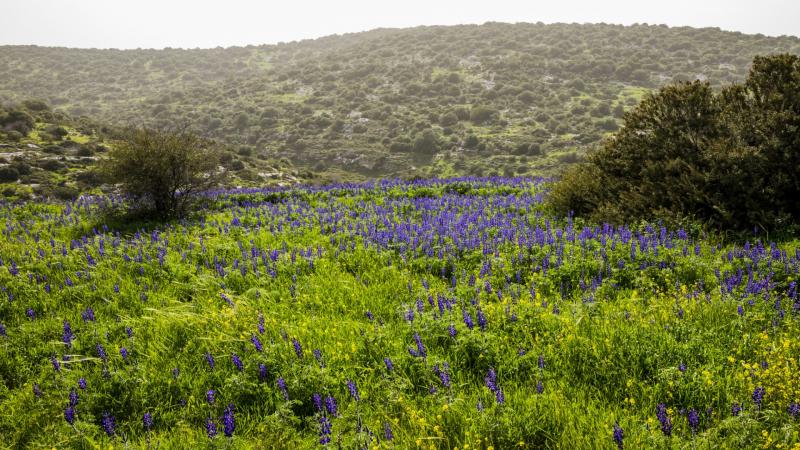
(456, 313)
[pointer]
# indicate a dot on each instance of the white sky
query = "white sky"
(204, 23)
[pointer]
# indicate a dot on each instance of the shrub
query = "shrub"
(426, 142)
(163, 169)
(8, 174)
(688, 151)
(482, 114)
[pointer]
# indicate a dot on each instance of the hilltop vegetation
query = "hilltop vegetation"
(494, 98)
(47, 153)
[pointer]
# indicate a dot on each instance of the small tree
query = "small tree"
(163, 169)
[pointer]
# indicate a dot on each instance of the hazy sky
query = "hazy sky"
(203, 23)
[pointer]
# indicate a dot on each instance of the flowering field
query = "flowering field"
(433, 314)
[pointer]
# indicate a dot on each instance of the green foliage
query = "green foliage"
(728, 158)
(427, 142)
(648, 334)
(482, 114)
(339, 97)
(163, 169)
(8, 174)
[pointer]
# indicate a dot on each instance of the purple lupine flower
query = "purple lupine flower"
(324, 430)
(444, 376)
(479, 406)
(101, 352)
(500, 396)
(12, 269)
(260, 323)
(351, 386)
(108, 423)
(210, 360)
(758, 396)
(82, 383)
(73, 397)
(387, 431)
(539, 387)
(369, 315)
(298, 349)
(69, 414)
(618, 435)
(316, 399)
(262, 372)
(210, 396)
(467, 319)
(228, 422)
(282, 387)
(694, 420)
(330, 406)
(211, 428)
(318, 356)
(30, 313)
(175, 373)
(37, 391)
(226, 298)
(736, 409)
(452, 331)
(682, 367)
(740, 310)
(237, 362)
(66, 335)
(481, 320)
(541, 362)
(256, 343)
(88, 315)
(663, 417)
(491, 380)
(389, 364)
(124, 352)
(794, 410)
(421, 352)
(3, 330)
(56, 364)
(147, 421)
(129, 332)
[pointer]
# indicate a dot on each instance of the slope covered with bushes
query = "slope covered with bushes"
(495, 98)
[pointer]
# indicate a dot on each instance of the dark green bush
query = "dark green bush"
(729, 158)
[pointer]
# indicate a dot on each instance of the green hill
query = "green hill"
(445, 100)
(45, 153)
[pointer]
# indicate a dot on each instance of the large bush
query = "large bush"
(162, 170)
(729, 158)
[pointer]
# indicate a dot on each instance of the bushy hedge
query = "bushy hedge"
(729, 158)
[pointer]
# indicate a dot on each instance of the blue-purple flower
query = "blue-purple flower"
(69, 414)
(228, 420)
(211, 428)
(351, 386)
(617, 435)
(109, 424)
(237, 362)
(147, 421)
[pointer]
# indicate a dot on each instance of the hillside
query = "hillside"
(496, 98)
(49, 154)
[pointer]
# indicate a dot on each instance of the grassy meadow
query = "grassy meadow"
(437, 314)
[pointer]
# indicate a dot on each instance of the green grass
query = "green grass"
(611, 358)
